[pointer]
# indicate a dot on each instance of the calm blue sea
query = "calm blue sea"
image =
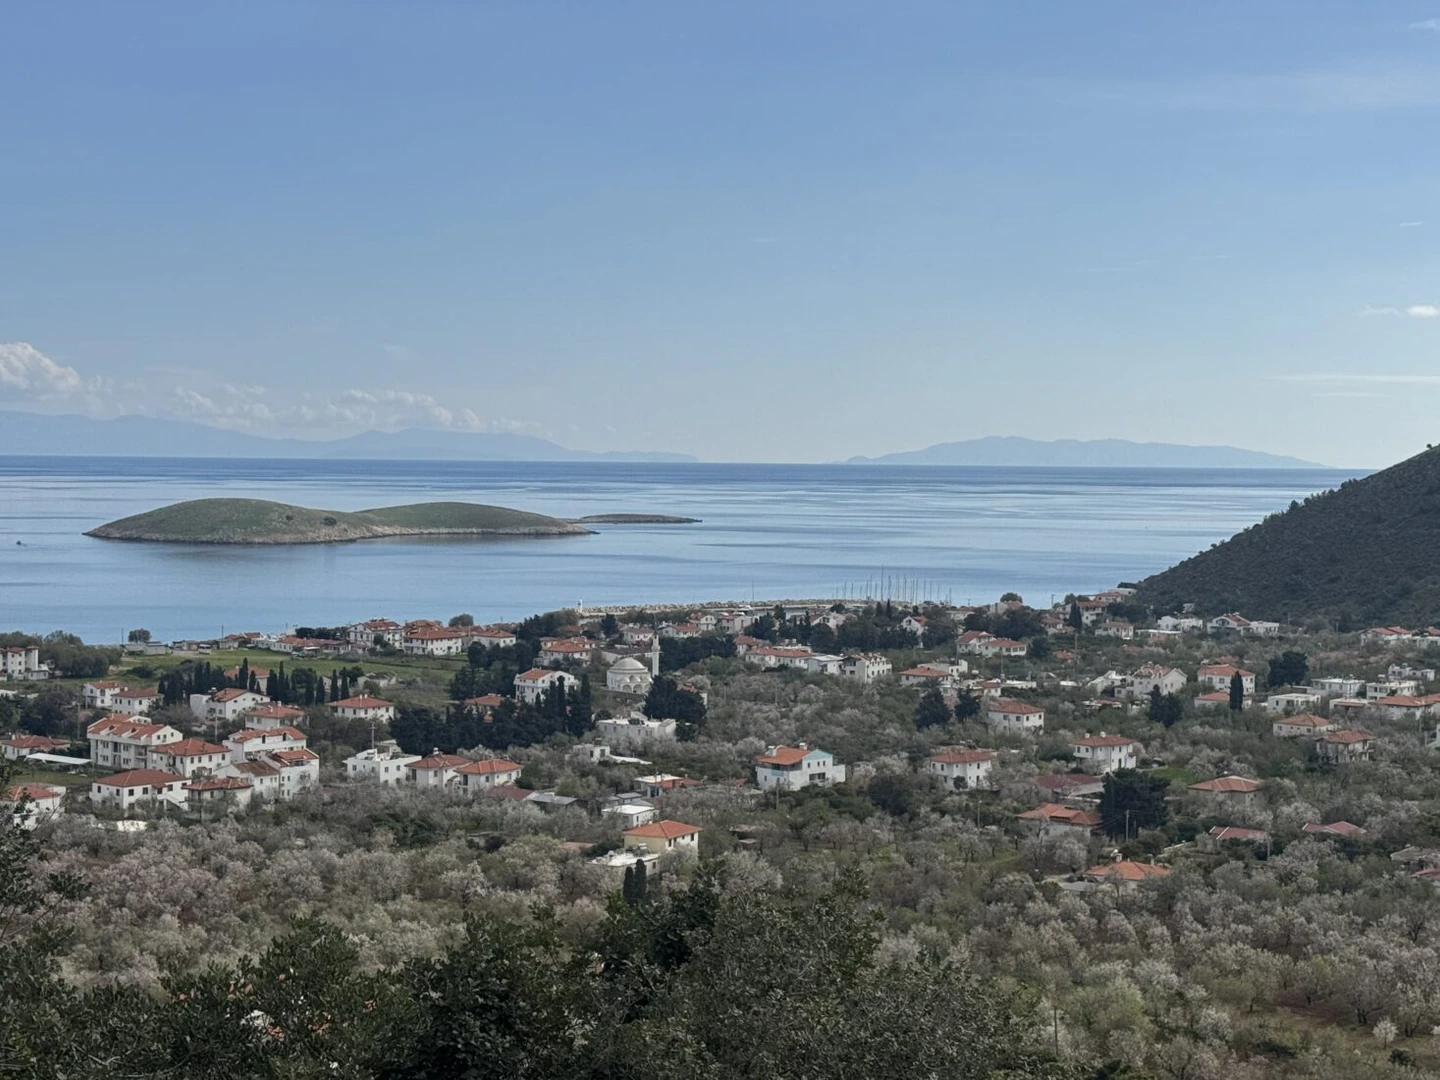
(768, 531)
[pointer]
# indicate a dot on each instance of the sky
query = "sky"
(748, 231)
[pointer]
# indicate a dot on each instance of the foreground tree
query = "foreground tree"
(1132, 801)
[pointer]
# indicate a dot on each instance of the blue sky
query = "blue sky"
(748, 231)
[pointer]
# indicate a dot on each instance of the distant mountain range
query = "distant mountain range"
(137, 436)
(1087, 453)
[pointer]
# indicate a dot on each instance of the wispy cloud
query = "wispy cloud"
(27, 372)
(1415, 311)
(1433, 25)
(28, 375)
(1347, 378)
(1410, 224)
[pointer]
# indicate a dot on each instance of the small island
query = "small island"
(635, 519)
(259, 521)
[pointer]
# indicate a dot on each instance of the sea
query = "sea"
(766, 532)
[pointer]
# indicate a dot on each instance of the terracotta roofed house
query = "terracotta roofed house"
(1006, 714)
(128, 789)
(1302, 724)
(658, 837)
(532, 686)
(435, 771)
(1345, 746)
(272, 715)
(119, 741)
(19, 746)
(796, 767)
(363, 708)
(1125, 873)
(479, 776)
(1054, 820)
(1105, 753)
(959, 770)
(188, 757)
(1218, 677)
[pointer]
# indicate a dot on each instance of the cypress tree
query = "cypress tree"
(1237, 692)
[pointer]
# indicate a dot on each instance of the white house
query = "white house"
(252, 742)
(373, 709)
(1184, 624)
(1239, 624)
(272, 715)
(823, 664)
(188, 757)
(127, 789)
(960, 770)
(478, 777)
(629, 815)
(375, 632)
(628, 676)
(532, 686)
(1101, 754)
(660, 837)
(1292, 702)
(1301, 725)
(227, 704)
(866, 667)
(233, 790)
(1000, 647)
(1403, 707)
(634, 731)
(432, 641)
(277, 774)
(30, 805)
(637, 635)
(22, 662)
(1392, 688)
(915, 624)
(777, 656)
(436, 771)
(1387, 635)
(118, 741)
(929, 675)
(1218, 676)
(493, 637)
(796, 767)
(1054, 821)
(100, 694)
(1337, 686)
(15, 747)
(1151, 677)
(1116, 628)
(385, 764)
(133, 701)
(1345, 746)
(566, 650)
(1007, 714)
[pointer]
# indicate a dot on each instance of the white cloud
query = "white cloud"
(1433, 25)
(27, 374)
(1345, 378)
(27, 371)
(1415, 311)
(1409, 224)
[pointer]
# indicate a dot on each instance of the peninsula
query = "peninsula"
(259, 521)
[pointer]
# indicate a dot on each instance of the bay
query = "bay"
(767, 531)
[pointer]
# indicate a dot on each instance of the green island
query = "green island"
(259, 521)
(635, 519)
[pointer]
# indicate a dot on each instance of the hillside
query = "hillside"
(1013, 450)
(1364, 553)
(258, 521)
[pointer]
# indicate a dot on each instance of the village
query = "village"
(1030, 716)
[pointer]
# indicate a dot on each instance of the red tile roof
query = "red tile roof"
(1126, 871)
(188, 748)
(1015, 708)
(1335, 828)
(440, 761)
(1067, 815)
(32, 791)
(229, 694)
(360, 703)
(665, 830)
(34, 742)
(1104, 740)
(218, 783)
(250, 734)
(488, 767)
(962, 757)
(1346, 738)
(140, 778)
(1228, 785)
(784, 755)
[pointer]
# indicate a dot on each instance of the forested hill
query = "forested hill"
(1366, 553)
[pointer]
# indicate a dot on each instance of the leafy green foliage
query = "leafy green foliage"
(1362, 554)
(1290, 668)
(1133, 800)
